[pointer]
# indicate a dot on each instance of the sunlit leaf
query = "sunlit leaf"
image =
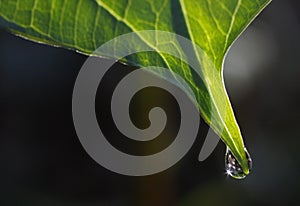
(84, 25)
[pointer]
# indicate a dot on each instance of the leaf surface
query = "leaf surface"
(84, 25)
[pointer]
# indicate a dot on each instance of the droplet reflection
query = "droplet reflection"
(232, 166)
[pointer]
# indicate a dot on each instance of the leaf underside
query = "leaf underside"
(84, 25)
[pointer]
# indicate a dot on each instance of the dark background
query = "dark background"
(43, 163)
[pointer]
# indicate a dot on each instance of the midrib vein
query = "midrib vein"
(184, 11)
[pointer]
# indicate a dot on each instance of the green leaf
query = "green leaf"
(84, 25)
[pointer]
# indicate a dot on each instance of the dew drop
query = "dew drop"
(232, 166)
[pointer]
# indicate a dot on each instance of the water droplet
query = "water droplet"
(232, 166)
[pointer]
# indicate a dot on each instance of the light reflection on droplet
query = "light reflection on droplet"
(232, 166)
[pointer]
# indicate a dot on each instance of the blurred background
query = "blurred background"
(43, 163)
